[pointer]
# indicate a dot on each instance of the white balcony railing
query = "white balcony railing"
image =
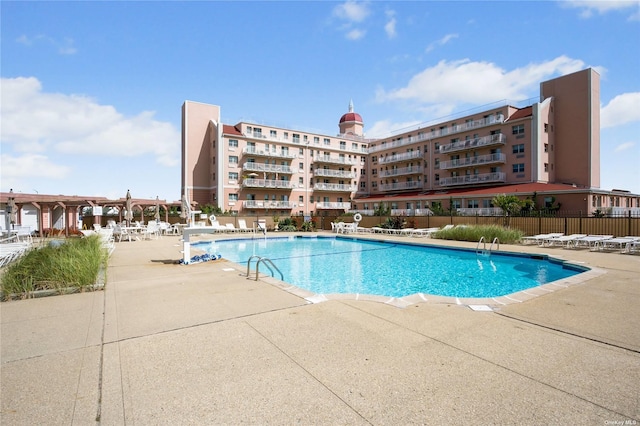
(266, 168)
(499, 139)
(267, 183)
(473, 161)
(249, 150)
(333, 205)
(333, 160)
(335, 173)
(396, 186)
(472, 179)
(423, 136)
(486, 211)
(256, 204)
(405, 156)
(401, 171)
(334, 187)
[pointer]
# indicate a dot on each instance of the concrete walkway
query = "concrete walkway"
(168, 344)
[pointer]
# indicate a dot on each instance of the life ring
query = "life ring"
(357, 217)
(212, 218)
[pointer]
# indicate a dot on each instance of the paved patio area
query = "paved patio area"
(168, 344)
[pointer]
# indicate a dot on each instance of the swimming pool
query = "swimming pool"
(347, 265)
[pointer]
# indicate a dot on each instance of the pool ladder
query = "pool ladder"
(265, 261)
(484, 251)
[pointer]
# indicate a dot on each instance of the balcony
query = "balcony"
(334, 187)
(401, 171)
(472, 179)
(405, 156)
(266, 168)
(267, 183)
(334, 160)
(490, 140)
(400, 186)
(445, 131)
(272, 154)
(335, 173)
(487, 211)
(473, 161)
(333, 206)
(255, 204)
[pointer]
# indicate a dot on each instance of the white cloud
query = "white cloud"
(385, 128)
(589, 7)
(37, 121)
(355, 34)
(64, 47)
(32, 165)
(620, 110)
(624, 146)
(468, 82)
(444, 40)
(352, 11)
(390, 26)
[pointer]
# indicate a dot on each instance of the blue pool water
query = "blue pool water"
(327, 265)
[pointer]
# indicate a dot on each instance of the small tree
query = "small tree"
(510, 205)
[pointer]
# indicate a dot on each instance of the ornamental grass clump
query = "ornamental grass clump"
(474, 233)
(74, 264)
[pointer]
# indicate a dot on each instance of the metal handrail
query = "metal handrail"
(484, 250)
(265, 261)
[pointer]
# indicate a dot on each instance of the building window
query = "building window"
(472, 204)
(233, 197)
(546, 127)
(233, 159)
(301, 166)
(436, 146)
(296, 138)
(286, 135)
(354, 146)
(517, 130)
(233, 176)
(233, 143)
(546, 167)
(301, 199)
(517, 149)
(273, 134)
(305, 138)
(301, 152)
(316, 140)
(327, 141)
(343, 145)
(437, 163)
(546, 147)
(301, 180)
(518, 168)
(363, 186)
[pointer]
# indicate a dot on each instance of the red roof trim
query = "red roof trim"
(231, 130)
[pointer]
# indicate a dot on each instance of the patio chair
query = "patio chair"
(231, 227)
(562, 240)
(589, 241)
(242, 226)
(619, 243)
(540, 238)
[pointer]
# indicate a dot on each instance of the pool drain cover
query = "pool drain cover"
(481, 308)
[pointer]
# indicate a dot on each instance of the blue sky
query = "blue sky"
(91, 92)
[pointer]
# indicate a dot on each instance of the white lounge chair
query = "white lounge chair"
(589, 241)
(424, 232)
(619, 243)
(562, 240)
(242, 226)
(231, 227)
(540, 238)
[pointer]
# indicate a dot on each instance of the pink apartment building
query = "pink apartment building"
(550, 148)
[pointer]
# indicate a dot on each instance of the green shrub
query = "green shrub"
(474, 233)
(287, 225)
(75, 263)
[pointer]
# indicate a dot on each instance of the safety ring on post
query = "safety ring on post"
(357, 217)
(212, 218)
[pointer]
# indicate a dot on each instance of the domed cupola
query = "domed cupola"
(351, 122)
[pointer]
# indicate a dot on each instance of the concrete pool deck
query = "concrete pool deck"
(202, 344)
